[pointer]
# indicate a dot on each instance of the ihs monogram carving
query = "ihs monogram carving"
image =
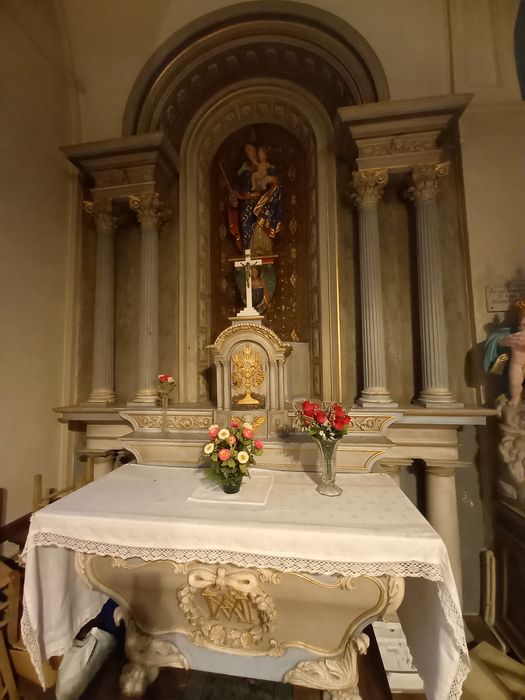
(233, 597)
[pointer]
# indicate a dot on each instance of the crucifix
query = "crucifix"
(248, 263)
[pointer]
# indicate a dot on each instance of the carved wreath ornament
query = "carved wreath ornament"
(234, 596)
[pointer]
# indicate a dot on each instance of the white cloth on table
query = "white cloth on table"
(144, 511)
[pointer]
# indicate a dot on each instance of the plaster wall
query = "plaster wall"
(113, 41)
(37, 224)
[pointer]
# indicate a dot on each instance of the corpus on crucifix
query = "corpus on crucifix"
(251, 274)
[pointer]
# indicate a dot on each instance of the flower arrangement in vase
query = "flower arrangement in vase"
(166, 385)
(326, 423)
(231, 450)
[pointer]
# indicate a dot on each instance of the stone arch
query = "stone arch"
(294, 108)
(294, 41)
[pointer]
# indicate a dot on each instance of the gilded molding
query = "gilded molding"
(173, 422)
(264, 332)
(426, 181)
(369, 186)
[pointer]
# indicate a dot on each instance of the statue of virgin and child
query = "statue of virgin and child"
(255, 219)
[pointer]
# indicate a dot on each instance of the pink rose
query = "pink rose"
(224, 454)
(247, 433)
(320, 417)
(213, 431)
(235, 423)
(232, 440)
(258, 444)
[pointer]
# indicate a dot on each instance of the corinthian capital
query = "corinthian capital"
(150, 209)
(368, 186)
(426, 181)
(102, 212)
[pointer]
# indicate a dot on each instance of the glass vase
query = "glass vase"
(234, 486)
(164, 416)
(328, 487)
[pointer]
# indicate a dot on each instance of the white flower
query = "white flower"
(224, 434)
(247, 425)
(243, 457)
(208, 449)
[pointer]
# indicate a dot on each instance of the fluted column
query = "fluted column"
(368, 185)
(441, 510)
(435, 390)
(151, 216)
(103, 378)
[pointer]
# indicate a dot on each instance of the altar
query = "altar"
(277, 582)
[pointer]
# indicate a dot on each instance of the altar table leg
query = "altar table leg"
(336, 676)
(145, 655)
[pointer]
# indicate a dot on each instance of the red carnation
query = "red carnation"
(339, 424)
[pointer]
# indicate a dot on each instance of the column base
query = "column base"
(148, 397)
(379, 400)
(102, 396)
(438, 400)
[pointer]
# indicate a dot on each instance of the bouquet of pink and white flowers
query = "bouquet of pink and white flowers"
(231, 451)
(325, 421)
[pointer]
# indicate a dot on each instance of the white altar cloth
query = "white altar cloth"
(143, 511)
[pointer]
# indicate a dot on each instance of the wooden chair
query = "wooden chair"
(9, 606)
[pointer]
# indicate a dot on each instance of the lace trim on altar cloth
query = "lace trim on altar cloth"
(431, 572)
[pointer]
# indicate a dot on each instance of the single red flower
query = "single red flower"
(338, 411)
(309, 408)
(339, 424)
(320, 417)
(346, 420)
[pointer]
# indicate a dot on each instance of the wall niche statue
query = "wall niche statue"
(260, 201)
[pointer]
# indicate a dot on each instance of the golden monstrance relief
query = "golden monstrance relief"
(247, 374)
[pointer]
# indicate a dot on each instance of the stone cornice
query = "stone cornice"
(400, 134)
(134, 165)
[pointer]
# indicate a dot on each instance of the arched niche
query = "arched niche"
(305, 45)
(295, 109)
